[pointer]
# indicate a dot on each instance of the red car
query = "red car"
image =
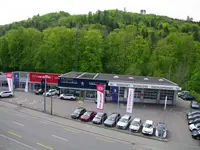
(88, 116)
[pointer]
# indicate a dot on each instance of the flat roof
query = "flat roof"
(120, 78)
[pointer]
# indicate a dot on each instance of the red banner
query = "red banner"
(100, 96)
(37, 77)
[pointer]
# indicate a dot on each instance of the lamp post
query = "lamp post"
(76, 49)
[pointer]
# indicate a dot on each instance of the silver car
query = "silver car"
(112, 120)
(135, 125)
(124, 122)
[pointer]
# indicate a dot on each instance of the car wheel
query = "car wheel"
(198, 138)
(10, 95)
(62, 98)
(71, 99)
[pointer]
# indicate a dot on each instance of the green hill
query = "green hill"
(110, 41)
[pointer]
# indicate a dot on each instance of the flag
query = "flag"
(165, 103)
(10, 81)
(16, 77)
(26, 86)
(130, 100)
(115, 93)
(100, 96)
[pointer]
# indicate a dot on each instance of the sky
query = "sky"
(16, 10)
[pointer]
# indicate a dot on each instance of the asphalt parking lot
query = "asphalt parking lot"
(175, 117)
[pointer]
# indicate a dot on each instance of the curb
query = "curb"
(99, 126)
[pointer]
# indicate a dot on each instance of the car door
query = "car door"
(3, 94)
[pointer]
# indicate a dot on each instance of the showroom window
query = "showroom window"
(121, 92)
(168, 93)
(150, 94)
(137, 93)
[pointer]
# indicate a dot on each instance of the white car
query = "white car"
(6, 94)
(51, 92)
(124, 122)
(194, 126)
(67, 96)
(148, 127)
(161, 130)
(135, 125)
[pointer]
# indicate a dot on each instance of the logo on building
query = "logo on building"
(82, 83)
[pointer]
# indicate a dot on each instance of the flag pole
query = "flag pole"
(118, 99)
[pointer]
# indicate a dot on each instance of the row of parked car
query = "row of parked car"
(125, 122)
(194, 123)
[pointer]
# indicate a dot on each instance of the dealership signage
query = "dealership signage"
(37, 77)
(143, 86)
(79, 83)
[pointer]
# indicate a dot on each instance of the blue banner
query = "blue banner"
(115, 93)
(16, 78)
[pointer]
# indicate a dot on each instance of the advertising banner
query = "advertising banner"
(50, 78)
(115, 93)
(26, 86)
(10, 81)
(130, 100)
(100, 96)
(16, 77)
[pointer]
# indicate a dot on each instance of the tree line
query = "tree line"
(109, 41)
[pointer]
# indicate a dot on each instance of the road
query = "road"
(22, 132)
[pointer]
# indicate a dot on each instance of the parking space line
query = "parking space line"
(45, 146)
(55, 136)
(18, 123)
(70, 130)
(15, 134)
(103, 139)
(25, 145)
(21, 115)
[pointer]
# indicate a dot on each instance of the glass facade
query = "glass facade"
(150, 94)
(168, 93)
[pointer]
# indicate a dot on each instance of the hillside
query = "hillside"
(110, 41)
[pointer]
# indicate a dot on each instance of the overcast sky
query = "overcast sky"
(16, 10)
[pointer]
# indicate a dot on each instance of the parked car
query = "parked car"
(196, 134)
(6, 94)
(188, 97)
(135, 125)
(51, 92)
(88, 116)
(124, 122)
(112, 120)
(197, 120)
(181, 94)
(78, 113)
(192, 117)
(148, 127)
(195, 126)
(161, 130)
(194, 105)
(67, 96)
(39, 92)
(192, 113)
(99, 118)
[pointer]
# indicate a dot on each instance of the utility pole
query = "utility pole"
(76, 49)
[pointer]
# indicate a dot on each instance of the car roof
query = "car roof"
(149, 121)
(126, 116)
(136, 119)
(80, 108)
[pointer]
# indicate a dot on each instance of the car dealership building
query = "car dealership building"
(147, 89)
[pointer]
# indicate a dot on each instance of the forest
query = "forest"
(110, 41)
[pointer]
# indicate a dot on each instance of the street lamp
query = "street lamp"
(76, 49)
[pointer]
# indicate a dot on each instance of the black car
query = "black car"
(112, 120)
(194, 105)
(194, 121)
(193, 117)
(188, 97)
(196, 134)
(39, 92)
(78, 113)
(193, 113)
(99, 118)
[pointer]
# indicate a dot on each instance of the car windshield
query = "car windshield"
(112, 117)
(88, 113)
(135, 123)
(124, 120)
(77, 111)
(147, 125)
(99, 115)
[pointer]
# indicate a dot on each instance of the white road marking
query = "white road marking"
(18, 123)
(25, 145)
(60, 138)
